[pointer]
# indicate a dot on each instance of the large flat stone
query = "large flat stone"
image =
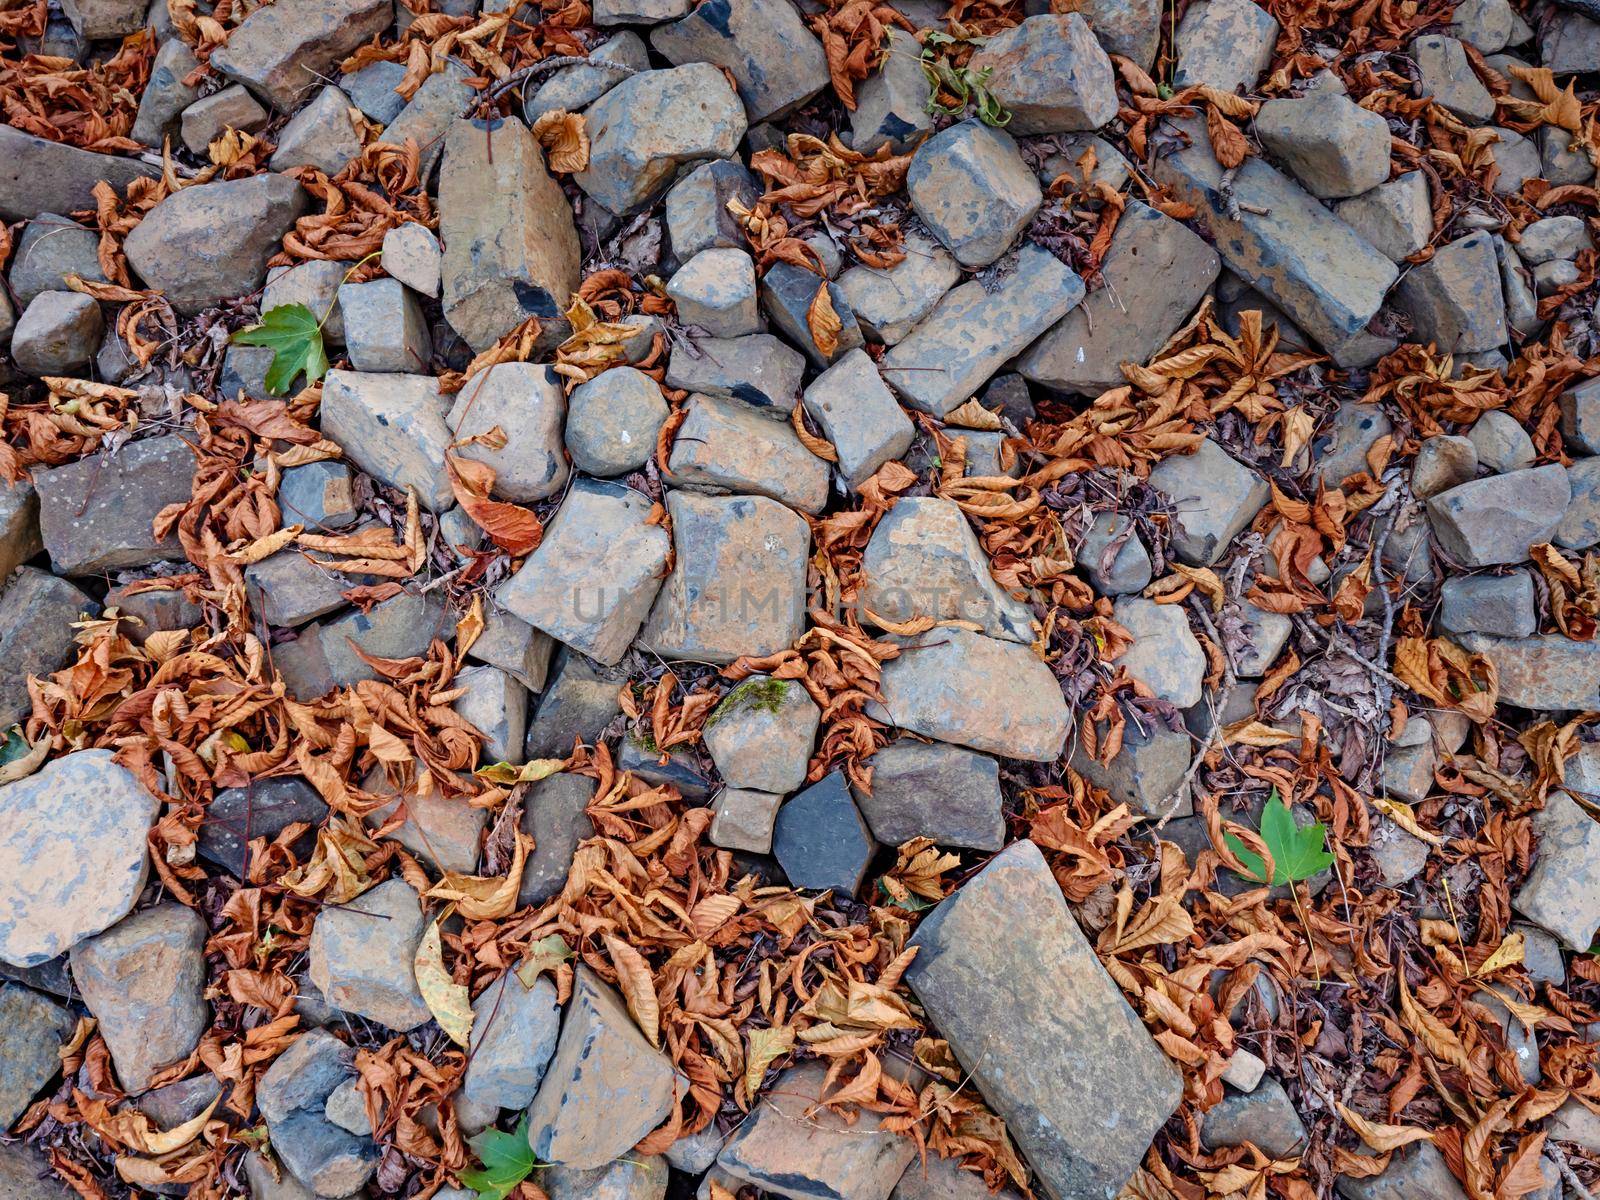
(282, 49)
(928, 789)
(38, 176)
(1293, 250)
(1057, 1052)
(514, 1030)
(393, 427)
(1545, 672)
(726, 446)
(97, 514)
(1494, 520)
(361, 955)
(1562, 892)
(72, 854)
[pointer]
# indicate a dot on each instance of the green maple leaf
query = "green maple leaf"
(1297, 854)
(507, 1160)
(294, 335)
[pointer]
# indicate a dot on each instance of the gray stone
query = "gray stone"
(645, 128)
(514, 646)
(1332, 145)
(606, 1087)
(329, 1160)
(432, 112)
(788, 293)
(774, 59)
(525, 402)
(1265, 634)
(1408, 771)
(323, 657)
(1225, 44)
(672, 768)
(575, 87)
(1562, 162)
(384, 327)
(166, 94)
(1215, 496)
(393, 427)
(25, 1174)
(1447, 77)
(19, 529)
(38, 176)
(1265, 1118)
(743, 820)
(497, 705)
(613, 421)
(207, 119)
(372, 90)
(1147, 772)
(510, 249)
(1569, 44)
(1165, 656)
(319, 495)
(244, 372)
(859, 415)
(737, 585)
(724, 446)
(820, 839)
(992, 695)
(57, 334)
(348, 1110)
(592, 579)
(553, 815)
(938, 1178)
(441, 830)
(1454, 298)
(211, 241)
(1128, 569)
(716, 291)
(1551, 277)
(791, 1146)
(1080, 1084)
(762, 733)
(697, 212)
(972, 332)
(1580, 526)
(96, 514)
(889, 302)
(926, 789)
(1516, 285)
(36, 635)
(638, 12)
(1559, 892)
(1499, 605)
(1442, 462)
(1324, 276)
(629, 1178)
(361, 955)
(923, 560)
(1544, 672)
(1553, 238)
(1050, 73)
(892, 103)
(315, 284)
(282, 49)
(1398, 855)
(172, 1105)
(144, 979)
(261, 809)
(971, 188)
(578, 703)
(32, 1030)
(1575, 1123)
(51, 248)
(1541, 955)
(1415, 1170)
(320, 135)
(759, 371)
(1155, 272)
(1486, 24)
(411, 254)
(514, 1030)
(1494, 520)
(270, 1181)
(1517, 158)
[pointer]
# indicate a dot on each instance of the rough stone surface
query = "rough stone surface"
(1553, 238)
(143, 980)
(57, 334)
(96, 514)
(758, 370)
(613, 420)
(743, 820)
(1215, 496)
(527, 404)
(716, 291)
(1499, 605)
(553, 815)
(1448, 78)
(762, 733)
(575, 87)
(316, 285)
(1332, 145)
(1051, 74)
(725, 446)
(237, 816)
(787, 1149)
(820, 839)
(384, 327)
(1544, 672)
(859, 415)
(37, 176)
(593, 577)
(579, 702)
(1454, 299)
(971, 188)
(32, 1030)
(1155, 271)
(972, 332)
(1263, 1117)
(889, 302)
(1494, 520)
(696, 208)
(1147, 772)
(1559, 893)
(992, 695)
(320, 135)
(361, 956)
(25, 1174)
(50, 248)
(1415, 1170)
(1442, 463)
(926, 789)
(1225, 44)
(892, 102)
(514, 646)
(1580, 526)
(1113, 557)
(442, 830)
(166, 94)
(1396, 217)
(36, 634)
(514, 1030)
(282, 49)
(777, 62)
(208, 119)
(605, 1088)
(510, 249)
(432, 112)
(629, 1178)
(497, 705)
(737, 585)
(1079, 1083)
(1165, 655)
(393, 427)
(411, 254)
(210, 242)
(645, 128)
(322, 657)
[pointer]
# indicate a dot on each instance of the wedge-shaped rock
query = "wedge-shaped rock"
(1332, 145)
(605, 1088)
(32, 1030)
(970, 186)
(38, 176)
(738, 583)
(283, 49)
(514, 1030)
(1215, 496)
(758, 371)
(1056, 1051)
(723, 445)
(393, 427)
(1549, 672)
(1295, 252)
(510, 249)
(72, 854)
(924, 561)
(210, 242)
(645, 128)
(591, 581)
(820, 839)
(1155, 272)
(1562, 892)
(1494, 520)
(1454, 299)
(1225, 44)
(361, 956)
(972, 332)
(428, 116)
(1051, 74)
(888, 303)
(977, 691)
(790, 1150)
(776, 61)
(926, 789)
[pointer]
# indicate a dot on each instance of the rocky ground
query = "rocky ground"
(840, 601)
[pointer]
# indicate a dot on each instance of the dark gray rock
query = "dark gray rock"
(51, 248)
(928, 789)
(1215, 495)
(36, 635)
(371, 89)
(319, 495)
(573, 88)
(725, 446)
(613, 421)
(211, 116)
(697, 212)
(1146, 773)
(263, 809)
(820, 839)
(892, 103)
(320, 135)
(579, 702)
(1128, 569)
(1332, 145)
(1415, 1170)
(393, 427)
(787, 294)
(1050, 73)
(323, 658)
(679, 770)
(776, 61)
(1264, 1117)
(514, 1030)
(1497, 604)
(166, 94)
(1561, 891)
(32, 1030)
(762, 733)
(37, 176)
(527, 404)
(1580, 524)
(430, 114)
(329, 1160)
(889, 302)
(553, 815)
(743, 820)
(1454, 299)
(1225, 44)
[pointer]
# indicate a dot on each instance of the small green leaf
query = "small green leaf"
(294, 335)
(507, 1160)
(1297, 853)
(14, 747)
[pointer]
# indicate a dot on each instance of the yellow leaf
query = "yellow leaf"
(638, 988)
(266, 547)
(823, 322)
(765, 1046)
(1507, 954)
(529, 772)
(1402, 816)
(446, 999)
(973, 415)
(1382, 1137)
(1206, 580)
(485, 898)
(546, 954)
